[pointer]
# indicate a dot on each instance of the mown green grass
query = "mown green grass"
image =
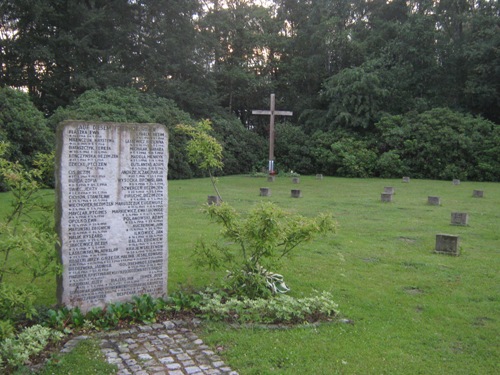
(412, 311)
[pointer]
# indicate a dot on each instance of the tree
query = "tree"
(129, 105)
(23, 127)
(443, 144)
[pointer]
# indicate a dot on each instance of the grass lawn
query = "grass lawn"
(412, 311)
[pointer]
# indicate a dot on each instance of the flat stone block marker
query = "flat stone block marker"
(213, 199)
(406, 179)
(111, 211)
(456, 181)
(389, 190)
(459, 218)
(478, 193)
(271, 178)
(265, 192)
(319, 177)
(434, 201)
(295, 180)
(296, 193)
(385, 197)
(447, 244)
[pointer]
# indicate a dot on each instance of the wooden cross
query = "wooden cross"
(272, 112)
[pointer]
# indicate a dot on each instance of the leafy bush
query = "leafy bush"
(23, 127)
(33, 242)
(280, 309)
(16, 351)
(443, 144)
(255, 243)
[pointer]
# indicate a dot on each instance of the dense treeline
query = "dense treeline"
(378, 88)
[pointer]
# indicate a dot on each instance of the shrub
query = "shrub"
(16, 351)
(253, 244)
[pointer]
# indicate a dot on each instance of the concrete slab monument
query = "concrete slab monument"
(447, 244)
(111, 213)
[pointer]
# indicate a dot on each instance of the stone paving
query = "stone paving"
(170, 348)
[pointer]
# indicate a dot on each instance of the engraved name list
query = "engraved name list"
(112, 211)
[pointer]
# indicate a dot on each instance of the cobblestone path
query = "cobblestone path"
(170, 348)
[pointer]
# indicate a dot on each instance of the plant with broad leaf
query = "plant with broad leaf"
(253, 244)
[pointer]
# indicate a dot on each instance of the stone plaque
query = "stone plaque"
(386, 197)
(456, 181)
(447, 244)
(296, 193)
(434, 201)
(389, 190)
(478, 193)
(406, 179)
(459, 218)
(111, 187)
(295, 180)
(265, 192)
(214, 199)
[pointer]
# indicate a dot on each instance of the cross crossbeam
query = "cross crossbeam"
(272, 112)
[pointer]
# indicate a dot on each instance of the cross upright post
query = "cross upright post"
(272, 112)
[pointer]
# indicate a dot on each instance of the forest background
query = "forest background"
(378, 88)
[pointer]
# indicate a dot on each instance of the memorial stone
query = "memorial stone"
(270, 178)
(265, 192)
(456, 182)
(213, 199)
(406, 179)
(459, 218)
(477, 193)
(447, 244)
(386, 197)
(296, 193)
(111, 213)
(389, 190)
(319, 177)
(434, 201)
(295, 180)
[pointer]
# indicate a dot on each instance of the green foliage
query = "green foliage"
(129, 105)
(281, 309)
(24, 128)
(443, 144)
(203, 149)
(142, 309)
(15, 352)
(293, 149)
(355, 97)
(17, 302)
(32, 241)
(256, 242)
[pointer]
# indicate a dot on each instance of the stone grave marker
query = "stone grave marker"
(271, 178)
(434, 201)
(111, 212)
(459, 218)
(296, 193)
(406, 179)
(265, 192)
(478, 193)
(389, 190)
(386, 197)
(319, 177)
(456, 181)
(295, 180)
(213, 199)
(447, 244)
